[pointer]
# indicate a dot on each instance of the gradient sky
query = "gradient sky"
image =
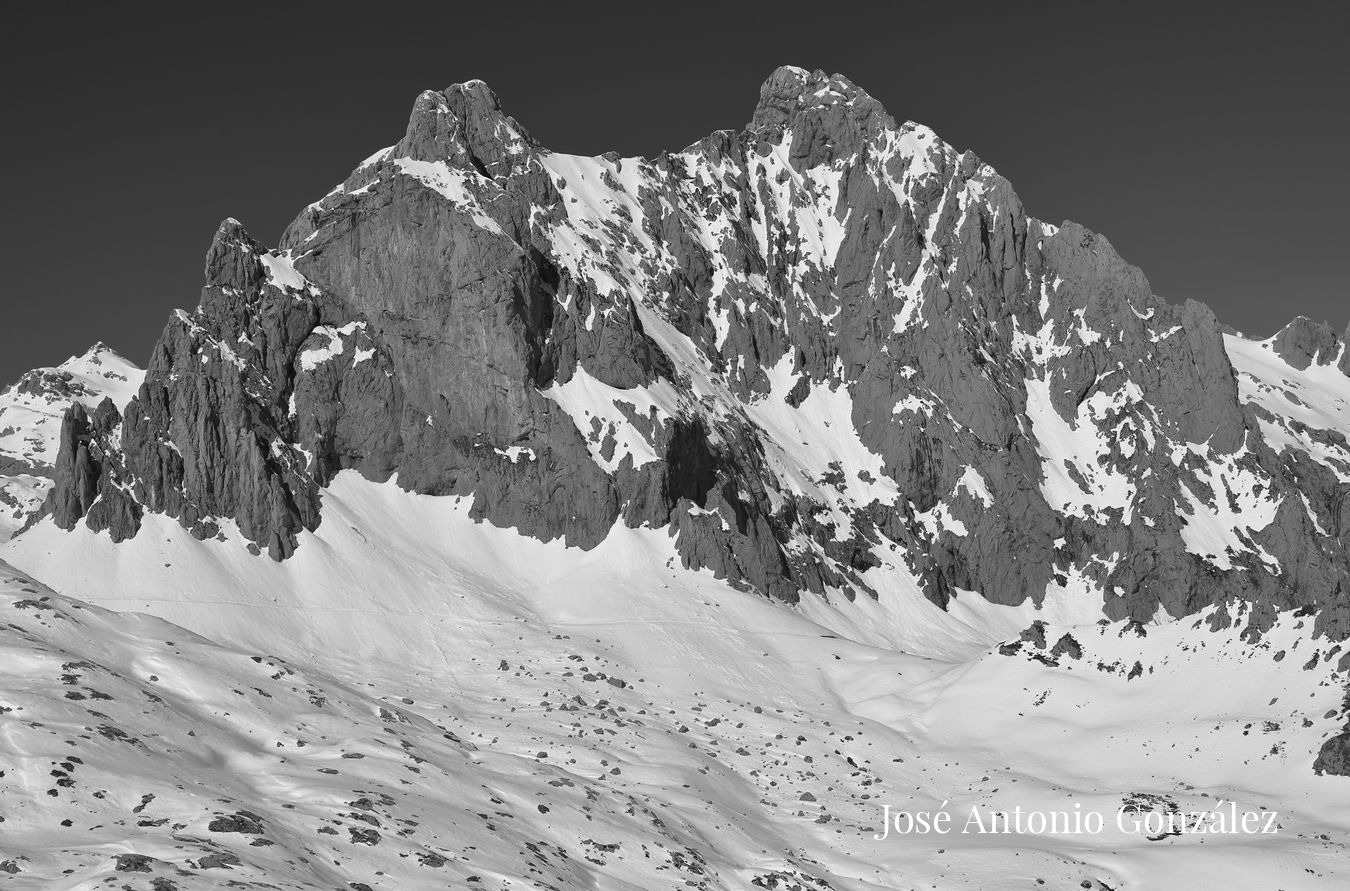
(1209, 150)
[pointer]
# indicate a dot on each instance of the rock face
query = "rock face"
(828, 352)
(87, 485)
(1304, 343)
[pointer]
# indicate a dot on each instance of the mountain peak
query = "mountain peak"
(465, 125)
(232, 259)
(228, 234)
(96, 353)
(1304, 342)
(101, 362)
(791, 93)
(476, 88)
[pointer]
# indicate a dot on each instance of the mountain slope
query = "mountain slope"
(714, 737)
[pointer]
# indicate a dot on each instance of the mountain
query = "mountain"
(30, 421)
(737, 491)
(829, 352)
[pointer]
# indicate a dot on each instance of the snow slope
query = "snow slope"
(617, 722)
(1302, 411)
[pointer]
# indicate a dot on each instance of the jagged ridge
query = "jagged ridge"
(828, 352)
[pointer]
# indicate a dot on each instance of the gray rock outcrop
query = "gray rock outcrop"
(1334, 756)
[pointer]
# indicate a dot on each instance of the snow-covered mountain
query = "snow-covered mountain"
(30, 424)
(655, 523)
(829, 352)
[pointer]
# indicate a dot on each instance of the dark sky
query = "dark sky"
(1210, 150)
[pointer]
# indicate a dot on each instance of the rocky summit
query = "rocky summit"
(526, 519)
(821, 350)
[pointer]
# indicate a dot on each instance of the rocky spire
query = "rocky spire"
(233, 261)
(465, 125)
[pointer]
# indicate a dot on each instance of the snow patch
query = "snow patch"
(461, 189)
